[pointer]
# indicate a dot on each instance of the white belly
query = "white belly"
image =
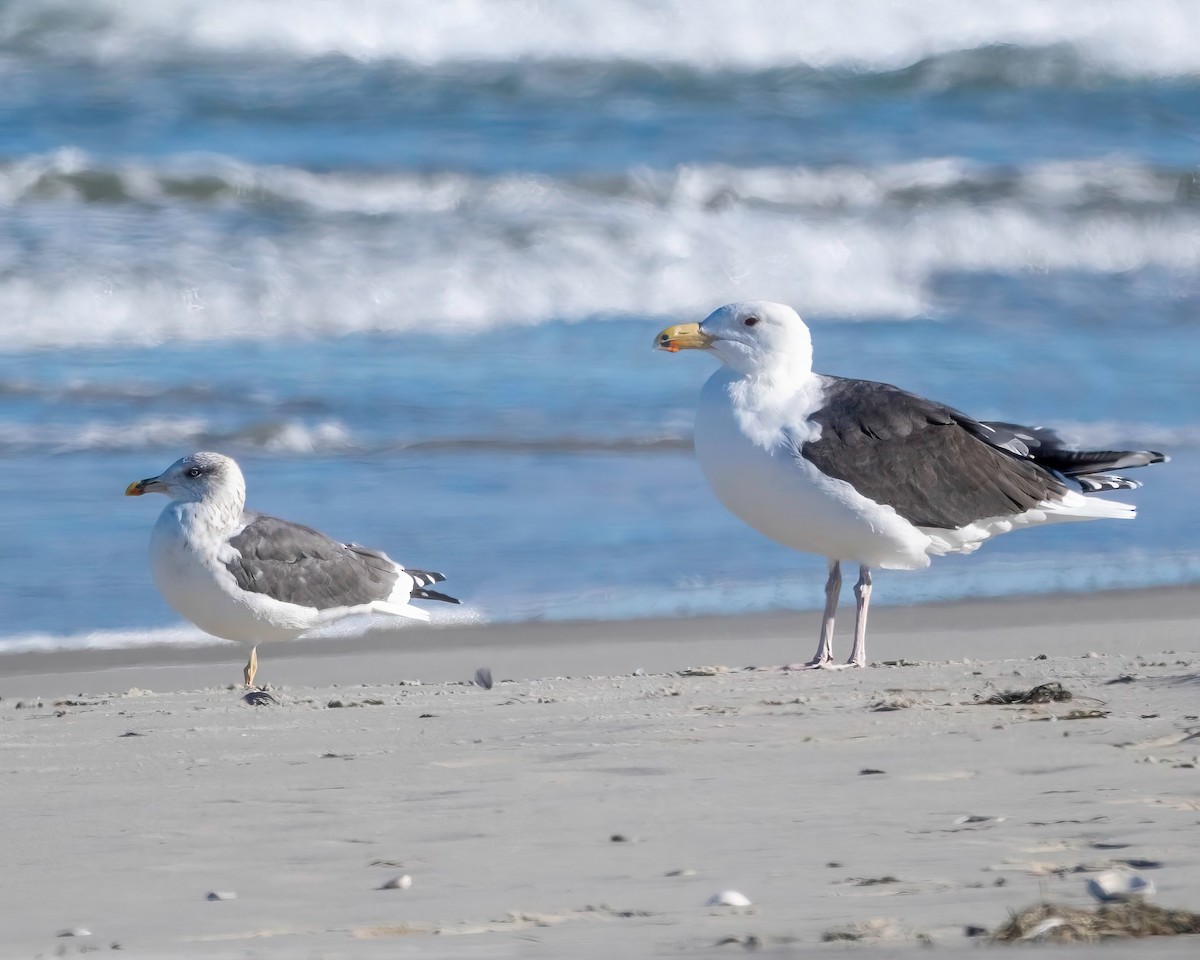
(208, 597)
(786, 498)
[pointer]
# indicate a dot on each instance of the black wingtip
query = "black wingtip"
(423, 578)
(420, 593)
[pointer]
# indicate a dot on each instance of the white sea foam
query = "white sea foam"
(189, 636)
(169, 433)
(331, 437)
(1155, 37)
(453, 252)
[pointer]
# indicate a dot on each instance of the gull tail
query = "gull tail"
(421, 581)
(1087, 468)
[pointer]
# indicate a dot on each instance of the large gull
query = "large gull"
(244, 576)
(865, 472)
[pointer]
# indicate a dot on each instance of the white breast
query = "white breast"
(755, 473)
(191, 579)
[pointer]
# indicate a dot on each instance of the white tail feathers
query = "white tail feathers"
(398, 610)
(1075, 506)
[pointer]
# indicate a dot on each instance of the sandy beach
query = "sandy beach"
(614, 778)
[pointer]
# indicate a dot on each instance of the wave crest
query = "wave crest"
(1152, 37)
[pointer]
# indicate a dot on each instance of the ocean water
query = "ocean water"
(405, 262)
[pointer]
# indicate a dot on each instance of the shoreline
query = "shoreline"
(601, 647)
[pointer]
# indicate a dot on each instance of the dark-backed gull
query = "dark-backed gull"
(866, 472)
(248, 577)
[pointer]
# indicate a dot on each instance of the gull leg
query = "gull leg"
(862, 596)
(251, 667)
(833, 588)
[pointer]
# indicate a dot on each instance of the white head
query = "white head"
(197, 478)
(755, 338)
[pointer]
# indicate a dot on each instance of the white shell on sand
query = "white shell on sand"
(728, 898)
(1119, 885)
(398, 883)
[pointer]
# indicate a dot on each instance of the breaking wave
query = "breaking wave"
(134, 253)
(1152, 37)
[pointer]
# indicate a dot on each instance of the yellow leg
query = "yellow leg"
(251, 667)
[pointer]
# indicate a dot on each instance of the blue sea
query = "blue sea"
(405, 261)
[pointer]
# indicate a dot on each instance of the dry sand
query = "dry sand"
(884, 802)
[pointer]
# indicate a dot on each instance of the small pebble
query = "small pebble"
(618, 838)
(728, 898)
(221, 895)
(398, 883)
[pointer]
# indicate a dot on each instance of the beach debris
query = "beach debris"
(1053, 922)
(259, 698)
(1052, 692)
(870, 772)
(888, 706)
(639, 672)
(215, 895)
(874, 881)
(130, 733)
(483, 678)
(1123, 678)
(971, 930)
(74, 932)
(977, 818)
(618, 838)
(682, 872)
(1114, 886)
(1085, 715)
(728, 898)
(750, 942)
(427, 716)
(705, 671)
(402, 882)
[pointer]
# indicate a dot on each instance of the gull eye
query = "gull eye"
(194, 472)
(750, 321)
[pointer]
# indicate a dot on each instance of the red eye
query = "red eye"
(750, 321)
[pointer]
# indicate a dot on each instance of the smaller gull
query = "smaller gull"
(866, 472)
(252, 578)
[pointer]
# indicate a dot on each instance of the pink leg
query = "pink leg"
(824, 655)
(862, 596)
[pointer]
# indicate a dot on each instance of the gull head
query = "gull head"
(754, 337)
(196, 478)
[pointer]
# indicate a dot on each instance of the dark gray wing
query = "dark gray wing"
(296, 564)
(929, 462)
(1086, 467)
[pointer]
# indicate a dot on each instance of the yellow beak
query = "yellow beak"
(149, 485)
(682, 336)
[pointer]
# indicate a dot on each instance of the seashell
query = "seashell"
(402, 882)
(728, 898)
(1119, 885)
(220, 895)
(74, 932)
